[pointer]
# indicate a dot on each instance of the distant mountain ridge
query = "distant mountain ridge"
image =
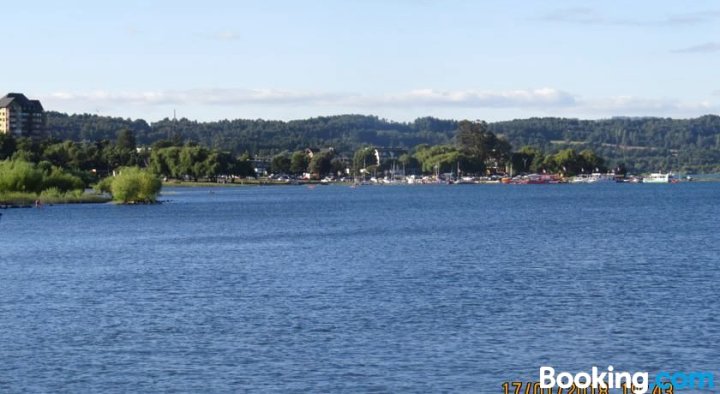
(644, 144)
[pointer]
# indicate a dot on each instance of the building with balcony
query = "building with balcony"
(21, 116)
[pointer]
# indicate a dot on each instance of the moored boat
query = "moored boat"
(595, 177)
(659, 177)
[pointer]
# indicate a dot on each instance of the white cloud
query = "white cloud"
(462, 98)
(193, 97)
(477, 98)
(229, 103)
(641, 106)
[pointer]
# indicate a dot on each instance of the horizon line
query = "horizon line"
(630, 117)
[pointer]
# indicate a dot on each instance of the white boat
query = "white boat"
(595, 177)
(659, 177)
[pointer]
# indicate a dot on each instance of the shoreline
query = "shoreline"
(247, 183)
(258, 183)
(29, 200)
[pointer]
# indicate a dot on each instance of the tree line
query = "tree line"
(92, 160)
(645, 144)
(472, 149)
(475, 151)
(642, 144)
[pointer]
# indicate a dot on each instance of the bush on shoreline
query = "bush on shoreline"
(20, 176)
(24, 184)
(131, 186)
(17, 176)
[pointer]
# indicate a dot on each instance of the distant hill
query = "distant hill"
(343, 132)
(647, 144)
(644, 144)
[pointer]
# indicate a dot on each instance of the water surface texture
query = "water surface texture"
(381, 289)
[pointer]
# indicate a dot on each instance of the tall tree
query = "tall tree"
(476, 140)
(527, 159)
(299, 162)
(321, 163)
(281, 163)
(126, 140)
(364, 158)
(8, 145)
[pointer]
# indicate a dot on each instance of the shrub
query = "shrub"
(133, 185)
(104, 185)
(20, 176)
(52, 192)
(62, 181)
(24, 177)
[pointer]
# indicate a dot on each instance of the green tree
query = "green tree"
(244, 168)
(59, 154)
(8, 145)
(192, 161)
(364, 159)
(281, 163)
(338, 166)
(133, 185)
(474, 139)
(62, 181)
(166, 162)
(220, 163)
(160, 144)
(299, 162)
(528, 159)
(440, 158)
(20, 176)
(592, 161)
(126, 140)
(321, 163)
(566, 162)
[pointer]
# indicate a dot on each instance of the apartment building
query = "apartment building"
(21, 116)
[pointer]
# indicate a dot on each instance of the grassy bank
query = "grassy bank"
(17, 199)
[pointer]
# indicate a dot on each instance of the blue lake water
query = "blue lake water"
(374, 289)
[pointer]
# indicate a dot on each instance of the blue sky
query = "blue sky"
(398, 59)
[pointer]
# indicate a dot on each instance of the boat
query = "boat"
(466, 180)
(659, 177)
(595, 177)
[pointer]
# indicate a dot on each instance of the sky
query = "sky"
(397, 59)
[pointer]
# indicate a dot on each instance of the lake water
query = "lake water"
(374, 289)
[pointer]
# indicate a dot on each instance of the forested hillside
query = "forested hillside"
(344, 133)
(643, 144)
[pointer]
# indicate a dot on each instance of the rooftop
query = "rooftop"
(24, 102)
